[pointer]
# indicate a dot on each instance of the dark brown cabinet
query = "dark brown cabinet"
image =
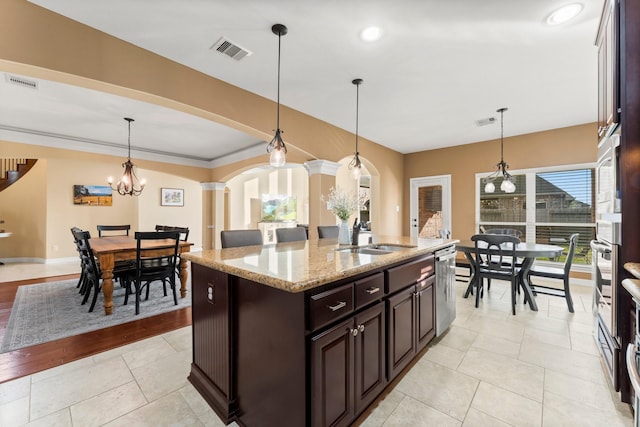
(411, 320)
(210, 370)
(347, 368)
(607, 41)
(266, 356)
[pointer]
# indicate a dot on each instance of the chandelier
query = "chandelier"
(276, 147)
(501, 168)
(129, 183)
(356, 165)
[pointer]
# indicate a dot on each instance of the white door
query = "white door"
(430, 205)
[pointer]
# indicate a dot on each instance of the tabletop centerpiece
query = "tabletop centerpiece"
(343, 204)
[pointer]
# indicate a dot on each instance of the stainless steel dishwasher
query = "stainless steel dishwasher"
(445, 288)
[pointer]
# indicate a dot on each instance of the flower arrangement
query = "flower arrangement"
(343, 204)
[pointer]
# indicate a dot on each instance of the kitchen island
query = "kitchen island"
(308, 333)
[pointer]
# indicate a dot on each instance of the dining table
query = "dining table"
(111, 249)
(527, 252)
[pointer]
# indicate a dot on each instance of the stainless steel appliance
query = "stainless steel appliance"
(633, 362)
(445, 288)
(605, 249)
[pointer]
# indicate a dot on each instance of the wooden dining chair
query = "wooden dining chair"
(494, 255)
(238, 238)
(328, 231)
(559, 273)
(294, 234)
(153, 266)
(118, 229)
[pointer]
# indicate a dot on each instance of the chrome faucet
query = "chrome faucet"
(356, 232)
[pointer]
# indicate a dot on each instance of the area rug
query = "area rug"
(49, 311)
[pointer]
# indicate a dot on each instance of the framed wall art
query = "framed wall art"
(92, 195)
(172, 197)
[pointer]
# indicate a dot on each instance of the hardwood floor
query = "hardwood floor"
(26, 361)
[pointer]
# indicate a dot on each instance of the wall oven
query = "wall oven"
(605, 254)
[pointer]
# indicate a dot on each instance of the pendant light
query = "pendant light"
(356, 165)
(276, 147)
(501, 168)
(129, 183)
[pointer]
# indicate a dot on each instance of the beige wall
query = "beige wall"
(39, 209)
(38, 43)
(41, 44)
(576, 144)
(24, 209)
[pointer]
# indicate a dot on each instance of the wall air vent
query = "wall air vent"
(21, 81)
(487, 121)
(231, 49)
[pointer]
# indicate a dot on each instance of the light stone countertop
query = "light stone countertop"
(299, 266)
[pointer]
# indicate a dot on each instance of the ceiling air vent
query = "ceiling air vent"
(487, 121)
(21, 81)
(231, 49)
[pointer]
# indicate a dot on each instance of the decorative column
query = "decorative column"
(322, 176)
(212, 214)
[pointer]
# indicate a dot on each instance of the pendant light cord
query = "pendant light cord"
(357, 111)
(278, 109)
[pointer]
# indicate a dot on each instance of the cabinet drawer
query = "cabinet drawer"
(369, 289)
(409, 273)
(328, 306)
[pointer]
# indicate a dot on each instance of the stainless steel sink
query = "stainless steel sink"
(380, 249)
(390, 247)
(365, 250)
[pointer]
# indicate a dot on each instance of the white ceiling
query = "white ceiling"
(440, 66)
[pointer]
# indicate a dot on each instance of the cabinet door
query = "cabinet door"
(401, 342)
(332, 376)
(370, 356)
(425, 313)
(211, 329)
(608, 66)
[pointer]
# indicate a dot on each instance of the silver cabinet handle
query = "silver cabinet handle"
(372, 291)
(354, 331)
(361, 328)
(338, 306)
(632, 367)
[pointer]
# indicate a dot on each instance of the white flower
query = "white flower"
(343, 204)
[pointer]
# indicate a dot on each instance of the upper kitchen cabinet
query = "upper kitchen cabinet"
(607, 41)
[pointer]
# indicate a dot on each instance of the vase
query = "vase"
(344, 236)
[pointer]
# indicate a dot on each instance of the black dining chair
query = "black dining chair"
(559, 273)
(153, 266)
(494, 256)
(507, 231)
(110, 229)
(328, 231)
(294, 234)
(184, 231)
(238, 238)
(90, 275)
(81, 280)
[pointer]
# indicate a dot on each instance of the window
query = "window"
(562, 201)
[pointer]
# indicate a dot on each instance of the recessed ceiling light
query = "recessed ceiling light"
(564, 14)
(371, 34)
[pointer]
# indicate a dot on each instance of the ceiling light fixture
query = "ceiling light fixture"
(501, 168)
(564, 14)
(371, 34)
(276, 147)
(356, 165)
(129, 183)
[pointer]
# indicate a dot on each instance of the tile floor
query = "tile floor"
(489, 369)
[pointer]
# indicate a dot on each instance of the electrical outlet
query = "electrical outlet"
(210, 294)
